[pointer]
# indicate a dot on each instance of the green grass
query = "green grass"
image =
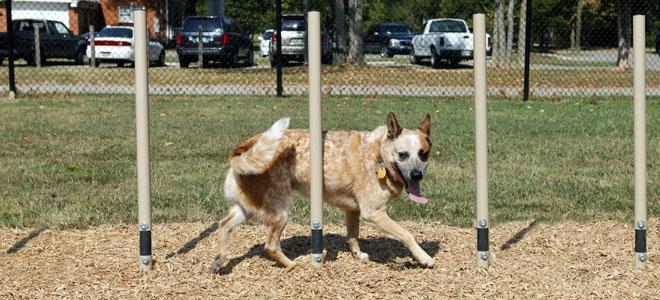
(69, 161)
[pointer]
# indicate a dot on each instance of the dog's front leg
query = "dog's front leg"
(353, 233)
(384, 223)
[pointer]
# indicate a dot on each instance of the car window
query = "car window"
(294, 24)
(447, 26)
(268, 35)
(27, 25)
(207, 24)
(395, 29)
(61, 28)
(116, 32)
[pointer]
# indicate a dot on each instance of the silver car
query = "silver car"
(294, 37)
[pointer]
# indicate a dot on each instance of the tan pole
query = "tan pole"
(315, 135)
(481, 139)
(640, 140)
(142, 137)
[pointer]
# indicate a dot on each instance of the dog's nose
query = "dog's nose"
(416, 175)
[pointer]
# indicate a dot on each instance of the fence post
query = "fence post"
(528, 49)
(92, 46)
(481, 136)
(37, 47)
(200, 48)
(315, 135)
(10, 59)
(142, 137)
(639, 84)
(278, 47)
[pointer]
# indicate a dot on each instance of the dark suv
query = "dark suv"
(222, 41)
(388, 39)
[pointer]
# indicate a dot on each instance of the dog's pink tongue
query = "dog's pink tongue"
(414, 194)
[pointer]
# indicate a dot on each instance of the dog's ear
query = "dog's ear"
(426, 125)
(393, 127)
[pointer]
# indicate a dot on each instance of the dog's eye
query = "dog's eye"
(403, 155)
(423, 155)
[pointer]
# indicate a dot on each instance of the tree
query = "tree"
(522, 28)
(499, 35)
(509, 34)
(355, 53)
(340, 31)
(624, 33)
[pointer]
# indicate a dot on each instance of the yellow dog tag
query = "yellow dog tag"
(381, 173)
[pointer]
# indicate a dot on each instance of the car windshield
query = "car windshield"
(297, 24)
(395, 29)
(448, 26)
(268, 35)
(207, 24)
(116, 32)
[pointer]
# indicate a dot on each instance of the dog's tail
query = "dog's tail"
(257, 153)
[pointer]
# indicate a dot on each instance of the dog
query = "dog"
(362, 173)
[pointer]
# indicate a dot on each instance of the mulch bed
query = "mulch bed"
(529, 259)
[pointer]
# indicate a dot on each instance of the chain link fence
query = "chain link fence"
(369, 47)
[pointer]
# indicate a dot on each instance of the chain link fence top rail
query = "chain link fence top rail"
(369, 47)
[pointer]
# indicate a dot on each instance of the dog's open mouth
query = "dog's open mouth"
(414, 193)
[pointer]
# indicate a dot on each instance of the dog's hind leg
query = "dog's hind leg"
(235, 217)
(276, 224)
(353, 233)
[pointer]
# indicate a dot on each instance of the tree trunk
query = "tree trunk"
(624, 28)
(355, 53)
(578, 26)
(522, 27)
(499, 35)
(340, 32)
(509, 34)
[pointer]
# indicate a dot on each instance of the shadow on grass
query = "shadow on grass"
(519, 236)
(381, 250)
(20, 244)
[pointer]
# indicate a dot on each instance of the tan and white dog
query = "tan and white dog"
(362, 172)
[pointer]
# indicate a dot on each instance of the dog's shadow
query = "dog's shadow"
(381, 250)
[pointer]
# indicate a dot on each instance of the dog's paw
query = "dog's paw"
(427, 262)
(216, 264)
(360, 256)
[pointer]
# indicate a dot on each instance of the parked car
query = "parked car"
(223, 41)
(55, 41)
(116, 44)
(294, 37)
(444, 39)
(388, 39)
(264, 42)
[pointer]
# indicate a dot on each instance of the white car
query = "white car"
(115, 44)
(264, 42)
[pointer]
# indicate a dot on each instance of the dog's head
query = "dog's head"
(409, 152)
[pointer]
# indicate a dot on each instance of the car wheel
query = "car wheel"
(184, 62)
(249, 61)
(384, 53)
(161, 59)
(97, 63)
(454, 62)
(435, 59)
(80, 57)
(120, 64)
(414, 59)
(206, 62)
(327, 59)
(2, 60)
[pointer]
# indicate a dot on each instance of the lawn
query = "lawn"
(69, 161)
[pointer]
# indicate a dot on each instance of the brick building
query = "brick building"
(79, 14)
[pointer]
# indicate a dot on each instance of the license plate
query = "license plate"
(105, 53)
(196, 40)
(467, 53)
(296, 41)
